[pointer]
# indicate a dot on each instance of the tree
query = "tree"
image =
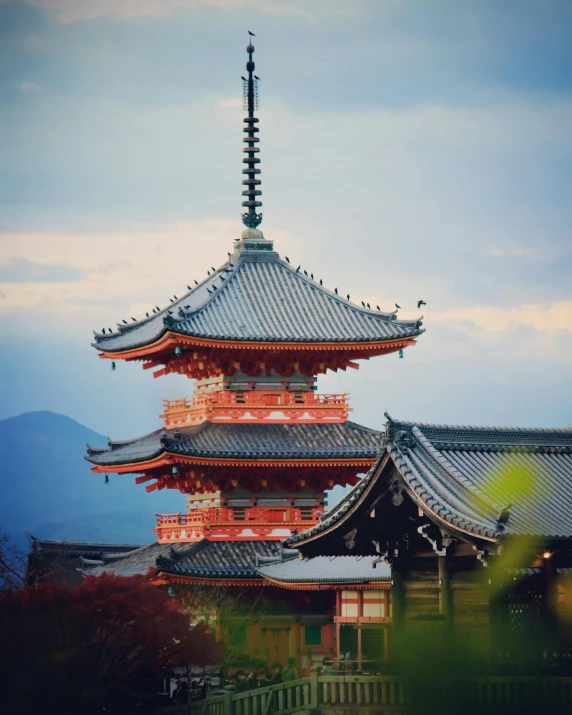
(13, 564)
(230, 612)
(94, 644)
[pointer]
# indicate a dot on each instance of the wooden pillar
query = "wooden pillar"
(445, 597)
(359, 655)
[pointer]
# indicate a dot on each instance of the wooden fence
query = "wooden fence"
(380, 693)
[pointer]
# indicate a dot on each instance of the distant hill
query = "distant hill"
(48, 489)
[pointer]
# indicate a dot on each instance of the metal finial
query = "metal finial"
(251, 192)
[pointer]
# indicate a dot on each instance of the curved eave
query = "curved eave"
(171, 338)
(171, 458)
(323, 586)
(166, 577)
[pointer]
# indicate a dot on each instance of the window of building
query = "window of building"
(374, 604)
(350, 602)
(306, 514)
(313, 635)
(239, 514)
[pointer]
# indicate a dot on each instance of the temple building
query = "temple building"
(256, 446)
(476, 525)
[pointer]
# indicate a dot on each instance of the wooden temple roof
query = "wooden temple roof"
(256, 296)
(324, 570)
(344, 440)
(218, 559)
(487, 482)
(138, 561)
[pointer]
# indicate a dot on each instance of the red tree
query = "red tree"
(93, 644)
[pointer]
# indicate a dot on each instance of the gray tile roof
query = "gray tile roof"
(457, 473)
(344, 440)
(138, 561)
(84, 549)
(323, 569)
(219, 559)
(258, 296)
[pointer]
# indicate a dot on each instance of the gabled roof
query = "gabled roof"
(455, 473)
(326, 570)
(256, 296)
(345, 440)
(219, 559)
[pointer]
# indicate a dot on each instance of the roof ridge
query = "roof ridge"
(500, 429)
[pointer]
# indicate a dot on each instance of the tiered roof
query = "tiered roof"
(257, 296)
(345, 440)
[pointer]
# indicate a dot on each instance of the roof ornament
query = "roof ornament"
(251, 192)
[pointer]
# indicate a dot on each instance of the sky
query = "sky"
(411, 149)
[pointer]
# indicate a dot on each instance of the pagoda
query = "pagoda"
(256, 446)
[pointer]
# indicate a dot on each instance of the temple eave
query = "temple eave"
(171, 340)
(170, 458)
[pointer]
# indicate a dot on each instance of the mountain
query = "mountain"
(48, 489)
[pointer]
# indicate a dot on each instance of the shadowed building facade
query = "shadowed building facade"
(476, 525)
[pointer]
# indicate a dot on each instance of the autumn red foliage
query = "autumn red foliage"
(84, 648)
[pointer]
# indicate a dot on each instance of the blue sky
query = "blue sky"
(410, 150)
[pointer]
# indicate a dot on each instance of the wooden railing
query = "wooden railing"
(382, 693)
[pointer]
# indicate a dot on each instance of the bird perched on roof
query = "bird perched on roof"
(348, 296)
(229, 254)
(420, 303)
(312, 276)
(103, 330)
(369, 306)
(505, 515)
(208, 273)
(363, 304)
(158, 309)
(258, 78)
(305, 273)
(336, 291)
(189, 287)
(196, 283)
(287, 259)
(109, 330)
(244, 78)
(126, 323)
(377, 306)
(213, 269)
(172, 301)
(133, 319)
(209, 290)
(397, 306)
(297, 269)
(147, 314)
(251, 33)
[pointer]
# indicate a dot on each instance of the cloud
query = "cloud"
(24, 270)
(70, 11)
(28, 86)
(544, 318)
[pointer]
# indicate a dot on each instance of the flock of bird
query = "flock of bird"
(156, 310)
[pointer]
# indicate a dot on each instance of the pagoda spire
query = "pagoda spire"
(251, 183)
